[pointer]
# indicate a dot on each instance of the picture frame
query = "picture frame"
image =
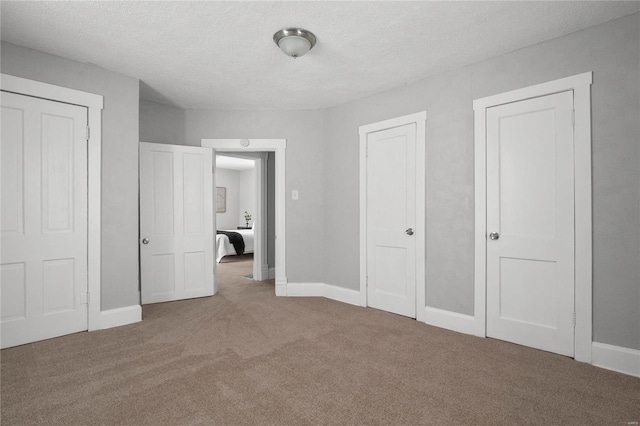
(221, 199)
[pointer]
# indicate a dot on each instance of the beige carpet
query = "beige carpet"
(247, 357)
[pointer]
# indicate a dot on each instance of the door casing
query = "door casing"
(419, 119)
(94, 105)
(580, 85)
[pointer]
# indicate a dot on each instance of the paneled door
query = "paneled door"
(391, 219)
(44, 219)
(176, 222)
(530, 223)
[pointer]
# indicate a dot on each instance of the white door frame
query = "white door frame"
(279, 147)
(581, 86)
(419, 119)
(94, 105)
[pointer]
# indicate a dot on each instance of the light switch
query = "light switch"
(294, 194)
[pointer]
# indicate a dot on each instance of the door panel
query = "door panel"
(44, 219)
(14, 291)
(391, 210)
(193, 194)
(176, 217)
(530, 204)
(12, 169)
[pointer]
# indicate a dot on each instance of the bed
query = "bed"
(225, 248)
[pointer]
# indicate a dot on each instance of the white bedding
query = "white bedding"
(224, 247)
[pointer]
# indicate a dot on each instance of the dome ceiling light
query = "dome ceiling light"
(294, 42)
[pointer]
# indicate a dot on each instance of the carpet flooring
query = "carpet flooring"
(245, 356)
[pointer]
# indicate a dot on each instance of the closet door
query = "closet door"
(530, 223)
(44, 219)
(391, 219)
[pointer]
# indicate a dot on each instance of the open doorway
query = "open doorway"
(239, 195)
(274, 149)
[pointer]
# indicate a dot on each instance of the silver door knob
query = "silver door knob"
(145, 241)
(494, 235)
(409, 231)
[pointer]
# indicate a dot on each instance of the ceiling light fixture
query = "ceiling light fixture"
(294, 42)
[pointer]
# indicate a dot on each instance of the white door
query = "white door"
(44, 219)
(176, 222)
(530, 223)
(391, 218)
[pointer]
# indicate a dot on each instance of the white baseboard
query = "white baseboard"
(120, 316)
(332, 292)
(341, 294)
(264, 272)
(271, 273)
(433, 316)
(450, 320)
(616, 358)
(281, 287)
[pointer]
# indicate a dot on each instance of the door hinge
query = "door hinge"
(574, 320)
(88, 133)
(84, 299)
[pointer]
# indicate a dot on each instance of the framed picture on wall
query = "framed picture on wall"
(221, 199)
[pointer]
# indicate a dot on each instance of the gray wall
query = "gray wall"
(304, 172)
(611, 51)
(230, 180)
(161, 123)
(119, 159)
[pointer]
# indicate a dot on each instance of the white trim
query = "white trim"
(542, 89)
(271, 273)
(583, 222)
(279, 147)
(340, 294)
(94, 211)
(616, 358)
(480, 241)
(363, 216)
(38, 89)
(261, 267)
(120, 316)
(580, 85)
(393, 122)
(419, 119)
(281, 287)
(94, 104)
(450, 320)
(259, 220)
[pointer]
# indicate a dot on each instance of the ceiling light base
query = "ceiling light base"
(294, 42)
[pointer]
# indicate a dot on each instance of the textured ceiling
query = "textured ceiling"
(221, 54)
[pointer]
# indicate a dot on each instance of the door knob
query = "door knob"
(494, 235)
(145, 241)
(409, 231)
